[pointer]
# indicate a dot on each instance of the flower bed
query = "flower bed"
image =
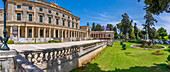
(157, 53)
(153, 47)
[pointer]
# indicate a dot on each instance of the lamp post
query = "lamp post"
(6, 37)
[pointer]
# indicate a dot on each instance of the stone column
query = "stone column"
(18, 31)
(26, 32)
(61, 35)
(58, 33)
(11, 32)
(32, 32)
(38, 32)
(50, 33)
(71, 36)
(65, 33)
(7, 60)
(54, 33)
(44, 33)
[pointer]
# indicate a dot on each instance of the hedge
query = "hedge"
(10, 42)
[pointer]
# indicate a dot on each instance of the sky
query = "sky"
(109, 12)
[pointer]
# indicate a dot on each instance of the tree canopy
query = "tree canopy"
(110, 26)
(93, 27)
(87, 23)
(126, 25)
(157, 6)
(162, 32)
(98, 27)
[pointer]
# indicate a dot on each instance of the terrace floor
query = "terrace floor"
(23, 47)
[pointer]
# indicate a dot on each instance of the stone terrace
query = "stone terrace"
(26, 47)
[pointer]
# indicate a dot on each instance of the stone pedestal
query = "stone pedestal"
(7, 60)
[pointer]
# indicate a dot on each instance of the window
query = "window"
(41, 18)
(76, 25)
(72, 18)
(30, 7)
(56, 13)
(18, 16)
(30, 17)
(63, 15)
(56, 21)
(68, 24)
(49, 11)
(68, 17)
(72, 25)
(41, 9)
(109, 35)
(18, 6)
(63, 23)
(49, 19)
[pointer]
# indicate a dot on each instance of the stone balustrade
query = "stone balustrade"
(57, 59)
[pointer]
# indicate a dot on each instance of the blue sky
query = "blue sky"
(109, 11)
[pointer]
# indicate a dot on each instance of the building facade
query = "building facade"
(40, 21)
(102, 34)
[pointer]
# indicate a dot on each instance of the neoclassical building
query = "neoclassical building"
(40, 21)
(102, 34)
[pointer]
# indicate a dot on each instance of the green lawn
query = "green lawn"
(115, 60)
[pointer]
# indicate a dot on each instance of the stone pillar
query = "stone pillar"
(32, 32)
(26, 32)
(18, 31)
(7, 60)
(38, 32)
(65, 33)
(58, 33)
(61, 35)
(44, 33)
(11, 29)
(54, 33)
(71, 36)
(50, 33)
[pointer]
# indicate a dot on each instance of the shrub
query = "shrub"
(132, 41)
(138, 41)
(123, 40)
(57, 41)
(166, 38)
(169, 47)
(128, 52)
(168, 61)
(160, 38)
(121, 43)
(49, 41)
(10, 42)
(124, 46)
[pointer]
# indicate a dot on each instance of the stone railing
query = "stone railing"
(60, 59)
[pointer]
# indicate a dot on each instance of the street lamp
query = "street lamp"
(6, 37)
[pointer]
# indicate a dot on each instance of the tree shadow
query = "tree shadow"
(157, 68)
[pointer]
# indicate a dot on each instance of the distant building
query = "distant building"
(102, 34)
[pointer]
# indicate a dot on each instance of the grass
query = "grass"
(116, 60)
(34, 43)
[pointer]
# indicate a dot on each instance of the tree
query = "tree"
(115, 32)
(136, 31)
(87, 23)
(148, 23)
(132, 35)
(110, 26)
(142, 34)
(93, 27)
(157, 6)
(126, 26)
(162, 32)
(98, 27)
(169, 36)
